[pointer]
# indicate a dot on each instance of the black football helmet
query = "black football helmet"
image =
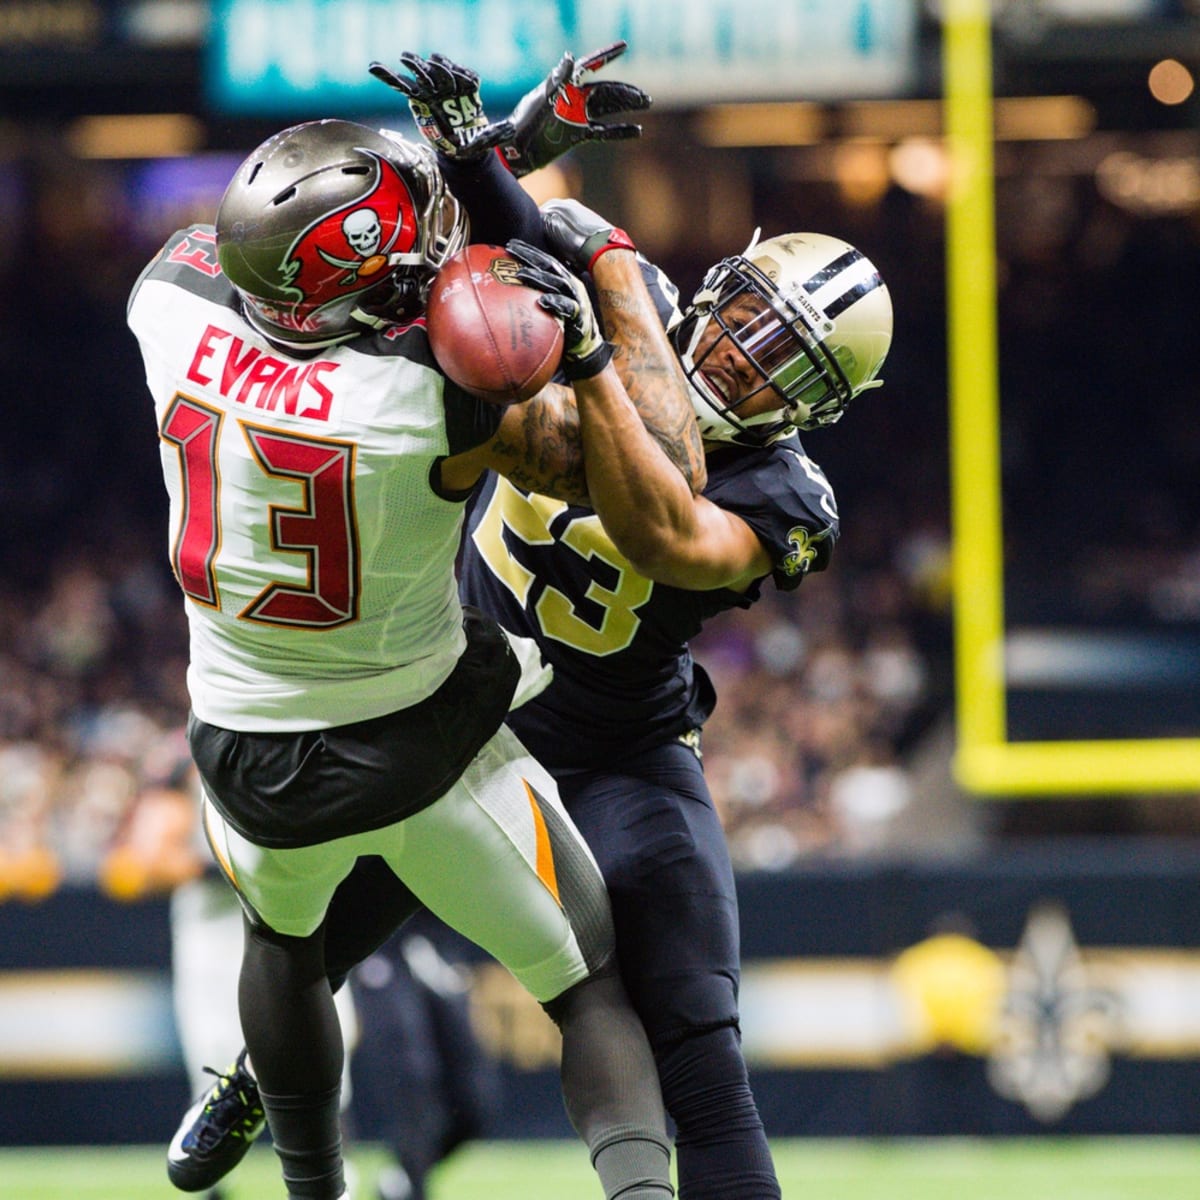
(809, 313)
(329, 228)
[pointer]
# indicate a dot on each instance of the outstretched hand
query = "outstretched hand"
(585, 352)
(444, 100)
(563, 111)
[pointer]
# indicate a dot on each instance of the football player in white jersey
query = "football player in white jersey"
(345, 707)
(780, 337)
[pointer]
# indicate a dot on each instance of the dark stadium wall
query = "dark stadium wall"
(1044, 988)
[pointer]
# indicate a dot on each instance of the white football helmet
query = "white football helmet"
(817, 328)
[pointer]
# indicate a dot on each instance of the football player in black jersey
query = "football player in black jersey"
(619, 726)
(779, 338)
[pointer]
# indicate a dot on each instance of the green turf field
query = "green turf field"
(958, 1169)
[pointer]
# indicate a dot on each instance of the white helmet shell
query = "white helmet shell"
(821, 331)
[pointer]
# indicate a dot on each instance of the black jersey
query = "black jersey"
(624, 677)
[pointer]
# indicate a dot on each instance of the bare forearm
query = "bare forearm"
(645, 504)
(538, 448)
(647, 363)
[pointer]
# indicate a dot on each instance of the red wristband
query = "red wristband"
(617, 240)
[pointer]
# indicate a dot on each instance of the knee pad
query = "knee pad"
(682, 1005)
(705, 1084)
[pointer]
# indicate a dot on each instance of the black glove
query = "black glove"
(561, 112)
(578, 236)
(585, 352)
(445, 103)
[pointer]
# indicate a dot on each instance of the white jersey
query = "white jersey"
(316, 557)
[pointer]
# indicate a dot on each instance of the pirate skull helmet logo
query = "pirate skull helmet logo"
(363, 220)
(363, 231)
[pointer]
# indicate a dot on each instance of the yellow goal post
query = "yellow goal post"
(986, 762)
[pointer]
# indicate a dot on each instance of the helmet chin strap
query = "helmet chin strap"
(409, 258)
(370, 320)
(687, 353)
(276, 338)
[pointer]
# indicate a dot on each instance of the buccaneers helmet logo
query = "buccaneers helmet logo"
(349, 248)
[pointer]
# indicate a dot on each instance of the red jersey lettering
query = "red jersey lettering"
(236, 363)
(321, 411)
(204, 349)
(251, 378)
(198, 251)
(260, 377)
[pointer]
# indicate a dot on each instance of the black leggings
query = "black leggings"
(285, 1003)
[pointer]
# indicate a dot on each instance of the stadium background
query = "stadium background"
(920, 958)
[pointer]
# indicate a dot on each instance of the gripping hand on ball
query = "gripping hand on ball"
(445, 103)
(585, 352)
(561, 112)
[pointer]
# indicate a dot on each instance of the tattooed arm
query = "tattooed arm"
(647, 363)
(537, 446)
(667, 533)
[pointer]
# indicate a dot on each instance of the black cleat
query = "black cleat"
(216, 1131)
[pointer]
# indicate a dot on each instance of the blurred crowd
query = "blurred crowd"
(830, 699)
(820, 698)
(92, 704)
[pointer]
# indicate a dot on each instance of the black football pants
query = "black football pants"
(656, 836)
(655, 833)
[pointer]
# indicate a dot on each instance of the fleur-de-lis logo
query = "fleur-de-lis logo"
(1057, 1025)
(807, 545)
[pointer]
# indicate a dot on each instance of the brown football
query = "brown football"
(487, 331)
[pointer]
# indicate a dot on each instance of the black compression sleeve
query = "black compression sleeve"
(499, 207)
